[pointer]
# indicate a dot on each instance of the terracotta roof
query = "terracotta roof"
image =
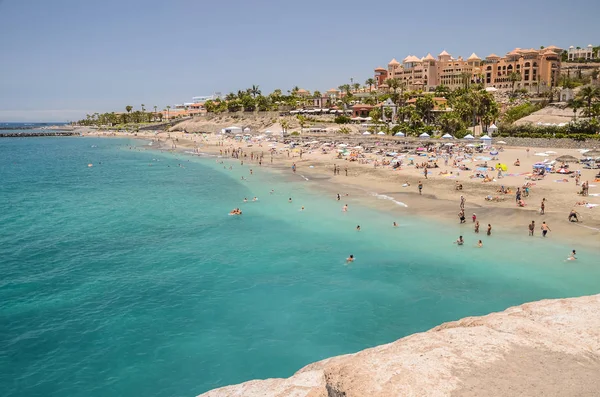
(380, 69)
(549, 52)
(411, 58)
(473, 57)
(493, 56)
(552, 47)
(429, 57)
(332, 90)
(418, 83)
(302, 91)
(394, 62)
(362, 106)
(443, 53)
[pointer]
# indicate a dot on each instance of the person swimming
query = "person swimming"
(345, 208)
(572, 256)
(350, 259)
(290, 200)
(460, 240)
(245, 199)
(480, 244)
(358, 228)
(302, 209)
(255, 198)
(395, 224)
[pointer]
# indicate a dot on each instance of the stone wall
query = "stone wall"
(549, 143)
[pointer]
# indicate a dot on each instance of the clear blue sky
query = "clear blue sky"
(61, 59)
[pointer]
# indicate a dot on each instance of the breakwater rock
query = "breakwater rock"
(545, 348)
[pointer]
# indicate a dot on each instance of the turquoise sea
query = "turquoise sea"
(129, 278)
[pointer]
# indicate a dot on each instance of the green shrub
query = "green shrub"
(341, 119)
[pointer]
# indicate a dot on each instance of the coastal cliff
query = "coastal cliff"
(545, 348)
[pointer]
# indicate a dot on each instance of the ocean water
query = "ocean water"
(129, 278)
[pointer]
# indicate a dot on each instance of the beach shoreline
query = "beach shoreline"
(382, 188)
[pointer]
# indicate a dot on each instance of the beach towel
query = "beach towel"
(594, 194)
(591, 205)
(560, 180)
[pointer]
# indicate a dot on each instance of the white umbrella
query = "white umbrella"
(491, 89)
(399, 134)
(485, 138)
(469, 136)
(447, 136)
(424, 135)
(366, 133)
(381, 133)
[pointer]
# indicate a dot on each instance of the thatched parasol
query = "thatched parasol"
(592, 153)
(567, 159)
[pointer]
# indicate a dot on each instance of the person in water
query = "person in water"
(489, 230)
(460, 240)
(480, 244)
(395, 224)
(572, 257)
(245, 199)
(350, 259)
(477, 227)
(358, 228)
(290, 200)
(255, 198)
(345, 208)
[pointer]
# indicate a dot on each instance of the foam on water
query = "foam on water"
(384, 197)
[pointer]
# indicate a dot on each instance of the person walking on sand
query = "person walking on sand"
(420, 187)
(477, 227)
(346, 169)
(461, 216)
(543, 207)
(489, 230)
(545, 229)
(462, 202)
(425, 172)
(531, 228)
(294, 168)
(474, 217)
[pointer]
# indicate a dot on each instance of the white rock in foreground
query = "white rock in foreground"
(546, 348)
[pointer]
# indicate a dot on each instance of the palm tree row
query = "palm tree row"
(129, 116)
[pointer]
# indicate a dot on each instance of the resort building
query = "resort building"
(533, 67)
(586, 53)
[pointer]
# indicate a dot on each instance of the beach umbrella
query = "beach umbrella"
(563, 171)
(447, 136)
(592, 153)
(469, 136)
(366, 133)
(485, 138)
(381, 133)
(399, 134)
(567, 159)
(424, 135)
(491, 89)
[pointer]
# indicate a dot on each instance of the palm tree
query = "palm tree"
(589, 94)
(466, 79)
(393, 85)
(575, 104)
(168, 107)
(370, 82)
(285, 124)
(356, 86)
(513, 77)
(254, 91)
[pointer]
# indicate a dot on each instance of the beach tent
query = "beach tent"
(447, 136)
(469, 136)
(424, 135)
(381, 133)
(492, 129)
(399, 134)
(366, 133)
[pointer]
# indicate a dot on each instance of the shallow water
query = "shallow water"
(129, 278)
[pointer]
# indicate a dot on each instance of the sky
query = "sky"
(62, 59)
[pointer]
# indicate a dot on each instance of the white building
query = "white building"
(581, 53)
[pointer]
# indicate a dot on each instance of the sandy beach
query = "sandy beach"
(396, 190)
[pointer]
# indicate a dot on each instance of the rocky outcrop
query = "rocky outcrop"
(545, 348)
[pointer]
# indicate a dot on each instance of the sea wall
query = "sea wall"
(545, 348)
